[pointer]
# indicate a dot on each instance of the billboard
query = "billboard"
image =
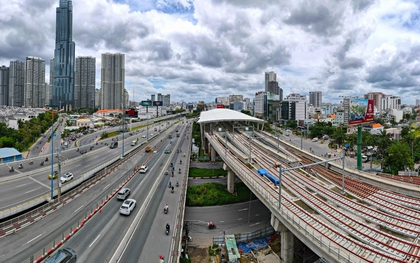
(360, 111)
(157, 103)
(146, 103)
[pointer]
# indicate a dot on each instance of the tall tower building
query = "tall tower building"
(315, 98)
(269, 76)
(153, 96)
(84, 83)
(167, 100)
(159, 97)
(63, 88)
(34, 83)
(4, 85)
(16, 80)
(112, 81)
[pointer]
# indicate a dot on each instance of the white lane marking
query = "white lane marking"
(77, 209)
(257, 214)
(106, 186)
(34, 238)
(221, 221)
(21, 185)
(94, 240)
(242, 209)
(35, 180)
(32, 190)
(240, 218)
(255, 224)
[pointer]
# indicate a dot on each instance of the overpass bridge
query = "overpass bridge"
(370, 223)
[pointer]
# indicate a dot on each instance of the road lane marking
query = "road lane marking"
(34, 238)
(106, 186)
(257, 215)
(35, 180)
(240, 218)
(21, 185)
(94, 240)
(255, 224)
(32, 190)
(77, 209)
(244, 209)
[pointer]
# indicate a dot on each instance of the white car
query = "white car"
(144, 136)
(127, 207)
(143, 169)
(123, 193)
(66, 177)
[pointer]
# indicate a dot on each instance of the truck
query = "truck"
(134, 142)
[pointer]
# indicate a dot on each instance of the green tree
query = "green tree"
(398, 158)
(292, 124)
(339, 136)
(383, 141)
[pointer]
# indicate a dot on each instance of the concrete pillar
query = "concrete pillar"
(230, 179)
(287, 240)
(212, 154)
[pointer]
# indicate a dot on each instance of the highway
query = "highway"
(108, 225)
(35, 181)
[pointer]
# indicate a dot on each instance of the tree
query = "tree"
(383, 141)
(398, 158)
(339, 136)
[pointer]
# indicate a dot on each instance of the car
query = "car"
(127, 207)
(148, 149)
(143, 169)
(143, 136)
(66, 177)
(167, 151)
(65, 255)
(53, 176)
(123, 193)
(315, 139)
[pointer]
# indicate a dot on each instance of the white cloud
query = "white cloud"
(202, 49)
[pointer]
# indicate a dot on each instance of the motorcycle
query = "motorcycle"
(167, 229)
(42, 163)
(211, 225)
(31, 162)
(20, 166)
(46, 159)
(180, 161)
(11, 169)
(172, 190)
(165, 209)
(179, 171)
(177, 184)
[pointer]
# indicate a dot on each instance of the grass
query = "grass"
(210, 194)
(201, 172)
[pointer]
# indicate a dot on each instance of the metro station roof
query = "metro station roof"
(218, 115)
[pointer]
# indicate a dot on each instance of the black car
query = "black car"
(65, 255)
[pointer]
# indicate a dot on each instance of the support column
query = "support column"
(212, 154)
(287, 240)
(230, 179)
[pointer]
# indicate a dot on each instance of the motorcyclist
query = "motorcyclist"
(20, 166)
(177, 184)
(168, 227)
(170, 184)
(11, 169)
(179, 170)
(166, 207)
(180, 161)
(172, 189)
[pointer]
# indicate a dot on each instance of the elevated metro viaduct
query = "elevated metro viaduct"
(215, 121)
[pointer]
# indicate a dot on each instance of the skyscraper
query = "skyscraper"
(34, 83)
(4, 85)
(63, 88)
(167, 100)
(315, 98)
(84, 83)
(16, 80)
(112, 81)
(269, 76)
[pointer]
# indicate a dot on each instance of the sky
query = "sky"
(197, 50)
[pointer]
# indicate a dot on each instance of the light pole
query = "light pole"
(52, 155)
(280, 171)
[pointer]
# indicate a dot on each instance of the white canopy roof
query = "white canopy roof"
(218, 115)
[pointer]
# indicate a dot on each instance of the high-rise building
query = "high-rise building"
(273, 87)
(84, 83)
(34, 83)
(112, 81)
(153, 97)
(16, 83)
(4, 85)
(159, 97)
(167, 100)
(376, 97)
(315, 98)
(269, 76)
(64, 55)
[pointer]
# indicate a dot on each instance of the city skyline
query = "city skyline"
(208, 49)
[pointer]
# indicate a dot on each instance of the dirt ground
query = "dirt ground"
(201, 254)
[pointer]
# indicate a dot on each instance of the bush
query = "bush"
(201, 172)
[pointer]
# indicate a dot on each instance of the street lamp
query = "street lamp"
(52, 155)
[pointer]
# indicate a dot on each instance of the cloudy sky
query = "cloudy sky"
(202, 49)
